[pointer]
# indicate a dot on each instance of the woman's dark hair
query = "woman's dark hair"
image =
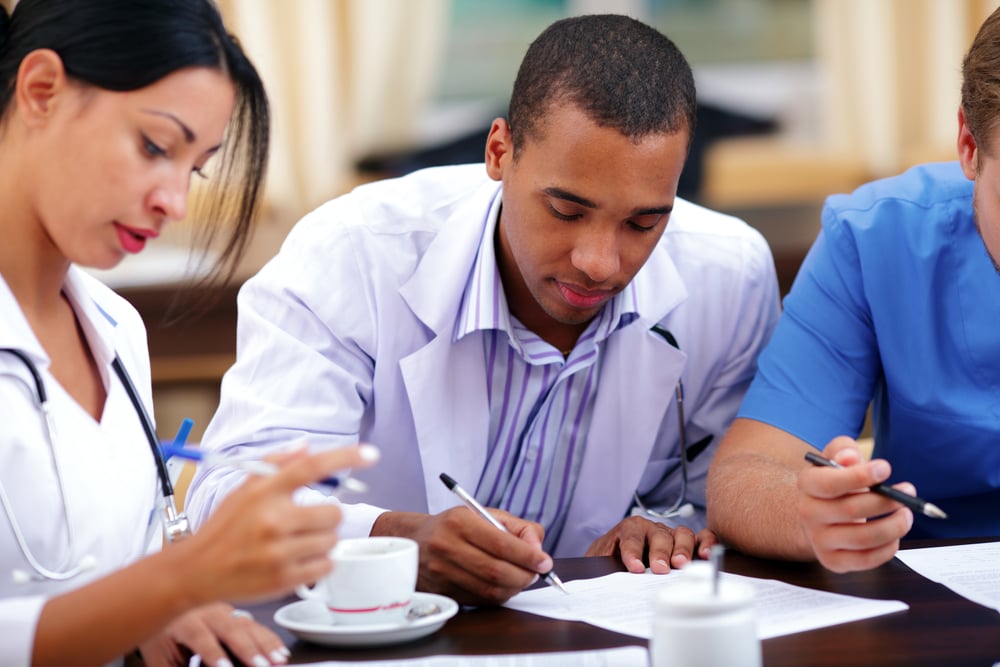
(124, 45)
(620, 72)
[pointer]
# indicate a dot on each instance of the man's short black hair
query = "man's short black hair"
(620, 72)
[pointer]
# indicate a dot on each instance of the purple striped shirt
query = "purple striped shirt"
(540, 403)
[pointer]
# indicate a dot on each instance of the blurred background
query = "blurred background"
(798, 99)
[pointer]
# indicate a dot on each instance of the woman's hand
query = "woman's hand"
(207, 632)
(259, 543)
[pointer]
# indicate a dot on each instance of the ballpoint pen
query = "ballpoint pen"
(914, 503)
(550, 577)
(182, 433)
(254, 465)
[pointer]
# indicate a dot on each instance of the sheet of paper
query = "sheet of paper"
(629, 656)
(623, 602)
(971, 570)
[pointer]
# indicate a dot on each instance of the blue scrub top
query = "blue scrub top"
(898, 303)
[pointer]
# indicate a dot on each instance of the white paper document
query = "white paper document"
(629, 656)
(971, 570)
(623, 602)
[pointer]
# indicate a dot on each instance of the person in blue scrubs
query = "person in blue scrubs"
(897, 305)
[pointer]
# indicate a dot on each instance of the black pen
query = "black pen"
(914, 503)
(550, 578)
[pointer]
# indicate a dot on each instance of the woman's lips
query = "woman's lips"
(133, 240)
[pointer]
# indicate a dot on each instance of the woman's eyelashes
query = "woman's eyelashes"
(154, 150)
(151, 148)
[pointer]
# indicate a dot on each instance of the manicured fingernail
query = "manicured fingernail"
(662, 562)
(285, 651)
(261, 661)
(278, 656)
(880, 469)
(534, 579)
(369, 453)
(223, 662)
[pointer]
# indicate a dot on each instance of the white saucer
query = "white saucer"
(310, 620)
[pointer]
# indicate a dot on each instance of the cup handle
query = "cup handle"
(307, 593)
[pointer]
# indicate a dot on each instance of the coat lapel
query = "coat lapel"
(446, 380)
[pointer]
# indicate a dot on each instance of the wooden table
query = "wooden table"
(940, 629)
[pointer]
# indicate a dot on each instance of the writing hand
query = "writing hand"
(468, 559)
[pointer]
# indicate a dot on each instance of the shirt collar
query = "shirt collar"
(98, 326)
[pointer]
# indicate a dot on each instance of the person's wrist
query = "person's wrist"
(397, 524)
(185, 576)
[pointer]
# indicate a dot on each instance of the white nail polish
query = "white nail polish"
(278, 656)
(223, 662)
(369, 453)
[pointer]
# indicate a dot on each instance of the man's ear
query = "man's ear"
(40, 78)
(968, 151)
(499, 149)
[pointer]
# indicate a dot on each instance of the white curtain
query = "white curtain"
(893, 74)
(346, 78)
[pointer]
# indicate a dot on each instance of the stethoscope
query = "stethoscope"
(679, 508)
(175, 524)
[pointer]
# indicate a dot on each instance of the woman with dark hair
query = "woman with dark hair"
(107, 109)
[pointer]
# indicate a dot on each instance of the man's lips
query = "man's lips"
(580, 297)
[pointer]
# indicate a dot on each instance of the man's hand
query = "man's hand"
(638, 541)
(464, 557)
(835, 507)
(205, 630)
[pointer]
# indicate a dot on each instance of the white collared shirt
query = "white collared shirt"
(106, 468)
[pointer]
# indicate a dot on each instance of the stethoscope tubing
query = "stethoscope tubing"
(166, 486)
(675, 509)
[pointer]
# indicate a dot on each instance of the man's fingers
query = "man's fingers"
(706, 539)
(829, 483)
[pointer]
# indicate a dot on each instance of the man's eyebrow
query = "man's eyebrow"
(559, 193)
(655, 210)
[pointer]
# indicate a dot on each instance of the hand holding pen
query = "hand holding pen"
(258, 541)
(913, 502)
(549, 577)
(850, 517)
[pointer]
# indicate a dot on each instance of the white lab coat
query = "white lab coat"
(107, 472)
(347, 335)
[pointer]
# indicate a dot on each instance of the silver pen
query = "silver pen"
(551, 578)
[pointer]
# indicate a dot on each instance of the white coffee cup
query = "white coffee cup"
(695, 625)
(372, 582)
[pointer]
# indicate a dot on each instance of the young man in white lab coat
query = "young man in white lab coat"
(520, 326)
